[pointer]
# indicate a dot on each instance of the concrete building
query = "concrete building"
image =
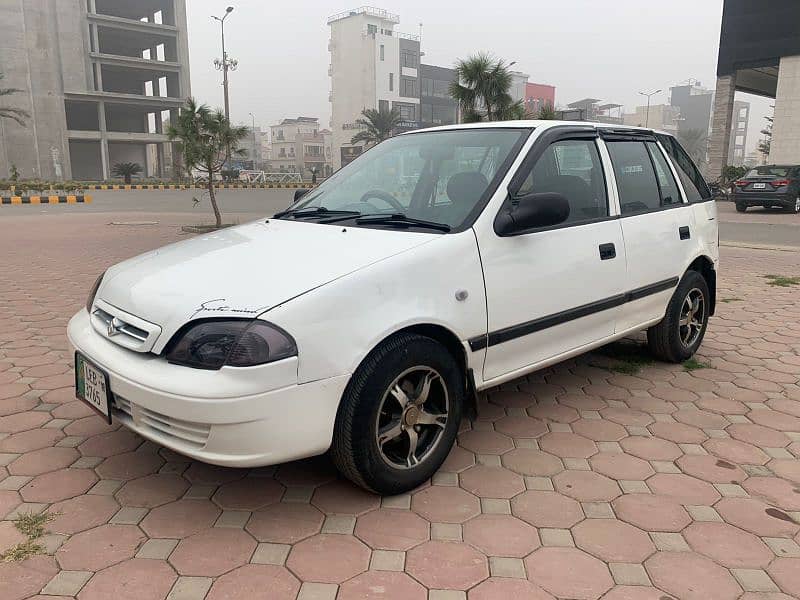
(372, 66)
(759, 53)
(297, 146)
(590, 109)
(100, 78)
(251, 144)
(539, 95)
(437, 107)
(694, 103)
(519, 83)
(659, 116)
(739, 124)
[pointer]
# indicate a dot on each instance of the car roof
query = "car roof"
(774, 167)
(537, 124)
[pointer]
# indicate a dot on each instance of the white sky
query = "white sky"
(586, 48)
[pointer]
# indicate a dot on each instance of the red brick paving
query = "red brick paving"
(575, 482)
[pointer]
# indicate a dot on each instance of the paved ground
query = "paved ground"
(577, 482)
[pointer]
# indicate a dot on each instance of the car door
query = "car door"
(657, 225)
(553, 290)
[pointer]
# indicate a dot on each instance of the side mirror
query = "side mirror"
(533, 211)
(299, 193)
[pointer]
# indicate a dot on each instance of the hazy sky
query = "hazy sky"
(586, 48)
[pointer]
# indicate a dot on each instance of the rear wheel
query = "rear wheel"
(399, 416)
(741, 207)
(796, 208)
(678, 336)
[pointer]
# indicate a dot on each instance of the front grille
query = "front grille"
(194, 435)
(121, 326)
(124, 329)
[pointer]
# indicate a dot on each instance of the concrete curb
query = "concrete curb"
(219, 186)
(760, 247)
(65, 199)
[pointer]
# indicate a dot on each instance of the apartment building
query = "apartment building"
(372, 66)
(100, 80)
(739, 125)
(299, 145)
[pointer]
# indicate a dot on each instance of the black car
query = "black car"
(768, 186)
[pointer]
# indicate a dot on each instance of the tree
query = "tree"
(378, 125)
(695, 142)
(207, 141)
(765, 145)
(15, 114)
(547, 112)
(126, 170)
(481, 88)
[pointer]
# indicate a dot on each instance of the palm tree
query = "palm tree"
(15, 114)
(695, 142)
(546, 112)
(207, 140)
(126, 170)
(378, 125)
(481, 89)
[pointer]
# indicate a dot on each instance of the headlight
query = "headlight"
(212, 344)
(93, 293)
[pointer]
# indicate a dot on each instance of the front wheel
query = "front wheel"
(679, 334)
(399, 415)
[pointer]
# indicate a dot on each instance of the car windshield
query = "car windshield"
(440, 177)
(767, 171)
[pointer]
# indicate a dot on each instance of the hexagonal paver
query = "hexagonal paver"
(758, 435)
(652, 512)
(728, 545)
(612, 541)
(557, 413)
(636, 592)
(485, 442)
(342, 497)
(212, 552)
(736, 452)
(130, 465)
(569, 573)
(787, 468)
(497, 588)
(567, 445)
(99, 548)
(111, 443)
(501, 535)
(627, 416)
(81, 513)
(786, 573)
(756, 517)
(547, 509)
(446, 565)
(649, 448)
(251, 581)
(779, 492)
(207, 474)
(444, 504)
(20, 580)
(689, 576)
(309, 472)
(285, 523)
(135, 579)
(180, 519)
(379, 585)
(685, 489)
(621, 466)
(41, 461)
(458, 460)
(711, 469)
(153, 490)
(521, 427)
(492, 482)
(512, 398)
(679, 433)
(599, 430)
(250, 493)
(531, 462)
(328, 558)
(586, 486)
(58, 485)
(28, 441)
(390, 529)
(701, 418)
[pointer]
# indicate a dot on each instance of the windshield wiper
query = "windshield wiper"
(317, 211)
(401, 220)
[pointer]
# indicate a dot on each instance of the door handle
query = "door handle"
(684, 232)
(607, 251)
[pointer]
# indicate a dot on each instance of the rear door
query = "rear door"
(657, 225)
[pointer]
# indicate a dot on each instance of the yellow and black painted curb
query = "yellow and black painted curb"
(199, 186)
(67, 199)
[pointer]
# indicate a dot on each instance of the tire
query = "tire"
(741, 207)
(369, 407)
(669, 340)
(795, 208)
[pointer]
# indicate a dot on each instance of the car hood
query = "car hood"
(244, 271)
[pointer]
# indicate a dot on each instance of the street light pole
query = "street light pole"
(253, 129)
(647, 116)
(225, 64)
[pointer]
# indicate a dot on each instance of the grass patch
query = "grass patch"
(782, 280)
(33, 526)
(22, 551)
(628, 358)
(726, 300)
(693, 364)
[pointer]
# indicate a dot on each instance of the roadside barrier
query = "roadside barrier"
(64, 199)
(196, 186)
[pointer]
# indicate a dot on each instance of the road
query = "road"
(757, 227)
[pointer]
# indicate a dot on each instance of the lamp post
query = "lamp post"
(647, 115)
(253, 130)
(226, 64)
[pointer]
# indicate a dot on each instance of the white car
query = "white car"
(363, 319)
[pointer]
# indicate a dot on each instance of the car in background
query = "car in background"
(769, 186)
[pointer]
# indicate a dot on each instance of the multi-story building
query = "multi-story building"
(100, 78)
(437, 106)
(539, 95)
(590, 109)
(664, 117)
(739, 124)
(298, 145)
(694, 103)
(372, 66)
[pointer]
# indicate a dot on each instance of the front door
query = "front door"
(557, 289)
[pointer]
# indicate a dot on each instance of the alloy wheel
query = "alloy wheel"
(412, 417)
(693, 312)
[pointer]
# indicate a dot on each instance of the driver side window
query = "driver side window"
(573, 169)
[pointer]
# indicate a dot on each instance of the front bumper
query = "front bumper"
(231, 417)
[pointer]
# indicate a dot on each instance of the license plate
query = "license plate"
(91, 385)
(759, 186)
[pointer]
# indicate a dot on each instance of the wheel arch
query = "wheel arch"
(705, 266)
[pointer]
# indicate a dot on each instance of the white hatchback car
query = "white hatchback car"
(364, 318)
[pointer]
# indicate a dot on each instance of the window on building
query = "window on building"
(408, 112)
(636, 180)
(383, 49)
(426, 113)
(408, 58)
(391, 82)
(408, 87)
(372, 29)
(444, 114)
(427, 86)
(572, 168)
(441, 88)
(383, 105)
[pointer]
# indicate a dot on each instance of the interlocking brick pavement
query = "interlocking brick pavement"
(575, 482)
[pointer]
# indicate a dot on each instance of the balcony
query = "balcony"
(366, 10)
(159, 12)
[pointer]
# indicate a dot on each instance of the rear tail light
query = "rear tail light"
(780, 183)
(741, 183)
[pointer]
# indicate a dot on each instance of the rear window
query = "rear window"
(694, 185)
(767, 171)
